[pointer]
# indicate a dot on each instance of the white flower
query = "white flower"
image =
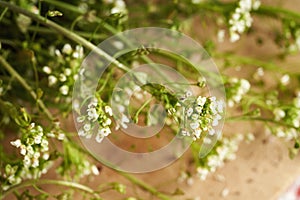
(202, 173)
(47, 70)
(52, 80)
(118, 44)
(36, 155)
(67, 49)
(87, 127)
(17, 143)
(245, 85)
(81, 132)
(201, 101)
(61, 136)
(29, 150)
(80, 119)
(279, 114)
(57, 53)
(225, 192)
(78, 53)
(95, 170)
(194, 125)
(197, 133)
(23, 150)
(285, 79)
(207, 140)
(221, 35)
(108, 110)
(37, 139)
(297, 102)
(35, 163)
(234, 37)
(99, 138)
(104, 131)
(64, 89)
(46, 156)
(62, 78)
(256, 4)
(67, 71)
(189, 112)
(195, 116)
(296, 123)
(188, 94)
(211, 132)
(26, 161)
(198, 109)
(190, 181)
(107, 122)
(185, 133)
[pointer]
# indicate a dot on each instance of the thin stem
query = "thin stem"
(3, 13)
(261, 119)
(15, 74)
(29, 183)
(69, 34)
(136, 116)
(249, 61)
(108, 28)
(145, 186)
(75, 22)
(81, 33)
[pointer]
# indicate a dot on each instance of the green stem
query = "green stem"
(69, 34)
(136, 116)
(3, 13)
(145, 186)
(15, 74)
(108, 28)
(226, 7)
(81, 33)
(29, 183)
(261, 119)
(249, 61)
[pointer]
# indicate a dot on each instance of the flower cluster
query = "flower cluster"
(202, 115)
(64, 75)
(241, 19)
(34, 147)
(225, 150)
(119, 6)
(97, 112)
(236, 89)
(289, 116)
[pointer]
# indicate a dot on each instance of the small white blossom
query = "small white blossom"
(104, 131)
(189, 112)
(61, 136)
(87, 127)
(67, 49)
(225, 192)
(221, 35)
(52, 80)
(47, 70)
(62, 78)
(285, 79)
(108, 110)
(17, 143)
(95, 170)
(67, 71)
(99, 138)
(279, 114)
(64, 89)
